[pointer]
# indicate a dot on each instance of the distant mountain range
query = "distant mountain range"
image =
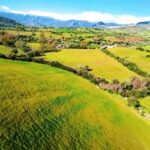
(39, 21)
(5, 22)
(144, 23)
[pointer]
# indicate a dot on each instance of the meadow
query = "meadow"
(146, 103)
(4, 49)
(135, 56)
(101, 64)
(42, 108)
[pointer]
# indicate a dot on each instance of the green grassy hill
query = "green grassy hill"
(47, 108)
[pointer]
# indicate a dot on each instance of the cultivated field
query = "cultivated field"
(101, 64)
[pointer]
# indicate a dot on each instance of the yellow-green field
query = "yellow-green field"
(7, 50)
(146, 103)
(102, 65)
(34, 46)
(135, 56)
(47, 108)
(147, 47)
(4, 49)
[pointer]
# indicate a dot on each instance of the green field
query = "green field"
(135, 56)
(48, 108)
(102, 65)
(4, 49)
(34, 46)
(146, 103)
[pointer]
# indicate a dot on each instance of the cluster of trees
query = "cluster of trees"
(7, 39)
(142, 49)
(48, 44)
(27, 38)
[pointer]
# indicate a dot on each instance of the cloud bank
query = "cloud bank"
(92, 16)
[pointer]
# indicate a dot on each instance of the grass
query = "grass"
(102, 65)
(146, 103)
(34, 46)
(4, 49)
(147, 47)
(135, 56)
(47, 108)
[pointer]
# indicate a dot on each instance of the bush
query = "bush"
(140, 48)
(115, 81)
(14, 50)
(127, 86)
(26, 48)
(2, 56)
(34, 53)
(133, 102)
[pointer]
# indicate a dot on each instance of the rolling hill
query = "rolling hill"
(44, 109)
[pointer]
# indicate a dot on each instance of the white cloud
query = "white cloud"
(91, 16)
(4, 8)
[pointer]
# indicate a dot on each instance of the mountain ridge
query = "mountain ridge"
(5, 22)
(39, 21)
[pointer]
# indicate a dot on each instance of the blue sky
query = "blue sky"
(74, 8)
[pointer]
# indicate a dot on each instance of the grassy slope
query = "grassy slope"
(47, 108)
(133, 55)
(102, 65)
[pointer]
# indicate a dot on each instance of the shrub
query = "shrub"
(133, 102)
(14, 50)
(127, 86)
(34, 53)
(26, 48)
(115, 81)
(2, 56)
(140, 48)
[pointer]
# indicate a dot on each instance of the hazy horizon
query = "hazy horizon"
(128, 12)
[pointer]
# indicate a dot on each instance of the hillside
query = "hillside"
(44, 109)
(5, 22)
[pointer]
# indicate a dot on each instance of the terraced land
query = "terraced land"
(47, 108)
(101, 64)
(135, 56)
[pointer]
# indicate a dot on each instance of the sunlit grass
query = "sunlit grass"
(146, 103)
(102, 65)
(135, 56)
(4, 49)
(35, 46)
(47, 108)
